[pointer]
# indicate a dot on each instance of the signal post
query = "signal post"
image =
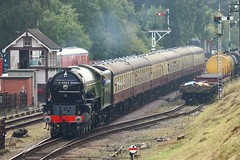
(157, 35)
(218, 20)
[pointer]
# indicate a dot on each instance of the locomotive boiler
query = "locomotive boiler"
(82, 97)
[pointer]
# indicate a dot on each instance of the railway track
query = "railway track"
(53, 148)
(23, 121)
(43, 148)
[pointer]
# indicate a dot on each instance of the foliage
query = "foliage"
(109, 25)
(109, 29)
(15, 17)
(63, 27)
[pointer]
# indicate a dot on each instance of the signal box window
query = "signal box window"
(27, 41)
(37, 58)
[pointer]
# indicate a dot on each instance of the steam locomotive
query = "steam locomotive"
(82, 97)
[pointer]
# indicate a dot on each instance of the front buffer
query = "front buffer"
(68, 125)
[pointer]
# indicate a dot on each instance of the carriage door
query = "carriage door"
(106, 88)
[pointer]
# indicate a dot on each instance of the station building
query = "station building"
(32, 59)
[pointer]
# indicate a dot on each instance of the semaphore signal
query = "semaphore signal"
(157, 35)
(161, 14)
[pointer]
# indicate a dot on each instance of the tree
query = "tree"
(16, 16)
(63, 27)
(109, 26)
(147, 19)
(194, 26)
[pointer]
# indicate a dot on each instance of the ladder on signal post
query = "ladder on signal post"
(219, 20)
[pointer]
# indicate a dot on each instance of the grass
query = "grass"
(213, 135)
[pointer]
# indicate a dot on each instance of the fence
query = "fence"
(10, 103)
(2, 134)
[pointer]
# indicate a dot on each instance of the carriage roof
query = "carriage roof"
(72, 51)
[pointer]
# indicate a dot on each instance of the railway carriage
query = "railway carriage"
(84, 96)
(187, 60)
(122, 79)
(142, 74)
(71, 56)
(174, 65)
(198, 60)
(159, 69)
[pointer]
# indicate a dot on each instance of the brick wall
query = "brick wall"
(15, 84)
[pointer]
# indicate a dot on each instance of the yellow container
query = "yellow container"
(227, 64)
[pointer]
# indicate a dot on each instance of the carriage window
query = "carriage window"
(128, 80)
